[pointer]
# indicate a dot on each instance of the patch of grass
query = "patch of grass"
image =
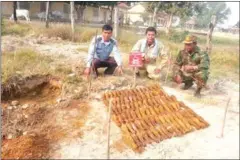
(12, 28)
(224, 64)
(64, 70)
(25, 62)
(84, 34)
(63, 32)
(81, 49)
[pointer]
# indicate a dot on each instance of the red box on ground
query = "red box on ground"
(135, 59)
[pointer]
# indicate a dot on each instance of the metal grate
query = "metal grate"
(148, 114)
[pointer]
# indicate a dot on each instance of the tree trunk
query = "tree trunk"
(80, 9)
(14, 11)
(116, 22)
(18, 5)
(99, 12)
(47, 14)
(72, 19)
(209, 35)
(169, 24)
(154, 23)
(111, 15)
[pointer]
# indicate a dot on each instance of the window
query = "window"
(66, 8)
(95, 12)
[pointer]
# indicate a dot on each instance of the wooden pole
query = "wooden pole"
(134, 77)
(209, 35)
(225, 114)
(14, 11)
(72, 18)
(47, 13)
(153, 22)
(116, 22)
(109, 128)
(92, 68)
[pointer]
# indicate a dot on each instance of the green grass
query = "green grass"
(81, 35)
(25, 62)
(11, 28)
(224, 64)
(28, 62)
(224, 57)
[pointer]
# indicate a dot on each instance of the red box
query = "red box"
(135, 59)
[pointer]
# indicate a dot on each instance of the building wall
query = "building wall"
(135, 17)
(7, 8)
(92, 14)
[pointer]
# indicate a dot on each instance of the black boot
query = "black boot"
(187, 85)
(197, 93)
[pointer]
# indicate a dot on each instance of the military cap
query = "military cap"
(188, 40)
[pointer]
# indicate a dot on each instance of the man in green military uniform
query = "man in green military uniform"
(191, 65)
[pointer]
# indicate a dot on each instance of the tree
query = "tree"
(80, 6)
(72, 18)
(47, 14)
(219, 9)
(214, 13)
(116, 22)
(209, 35)
(14, 11)
(181, 9)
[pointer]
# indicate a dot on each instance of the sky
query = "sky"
(233, 18)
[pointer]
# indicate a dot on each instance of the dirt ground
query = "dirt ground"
(53, 126)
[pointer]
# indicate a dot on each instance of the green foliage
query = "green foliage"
(212, 8)
(180, 9)
(2, 27)
(177, 37)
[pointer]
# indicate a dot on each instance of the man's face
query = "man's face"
(150, 36)
(189, 47)
(107, 34)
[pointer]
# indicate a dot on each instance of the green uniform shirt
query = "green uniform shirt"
(197, 57)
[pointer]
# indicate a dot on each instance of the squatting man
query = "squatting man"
(191, 64)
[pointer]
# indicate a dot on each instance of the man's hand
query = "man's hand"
(119, 70)
(146, 59)
(178, 79)
(87, 71)
(189, 68)
(157, 71)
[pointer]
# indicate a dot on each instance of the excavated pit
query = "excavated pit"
(38, 88)
(26, 106)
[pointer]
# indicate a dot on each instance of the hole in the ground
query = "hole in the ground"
(38, 88)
